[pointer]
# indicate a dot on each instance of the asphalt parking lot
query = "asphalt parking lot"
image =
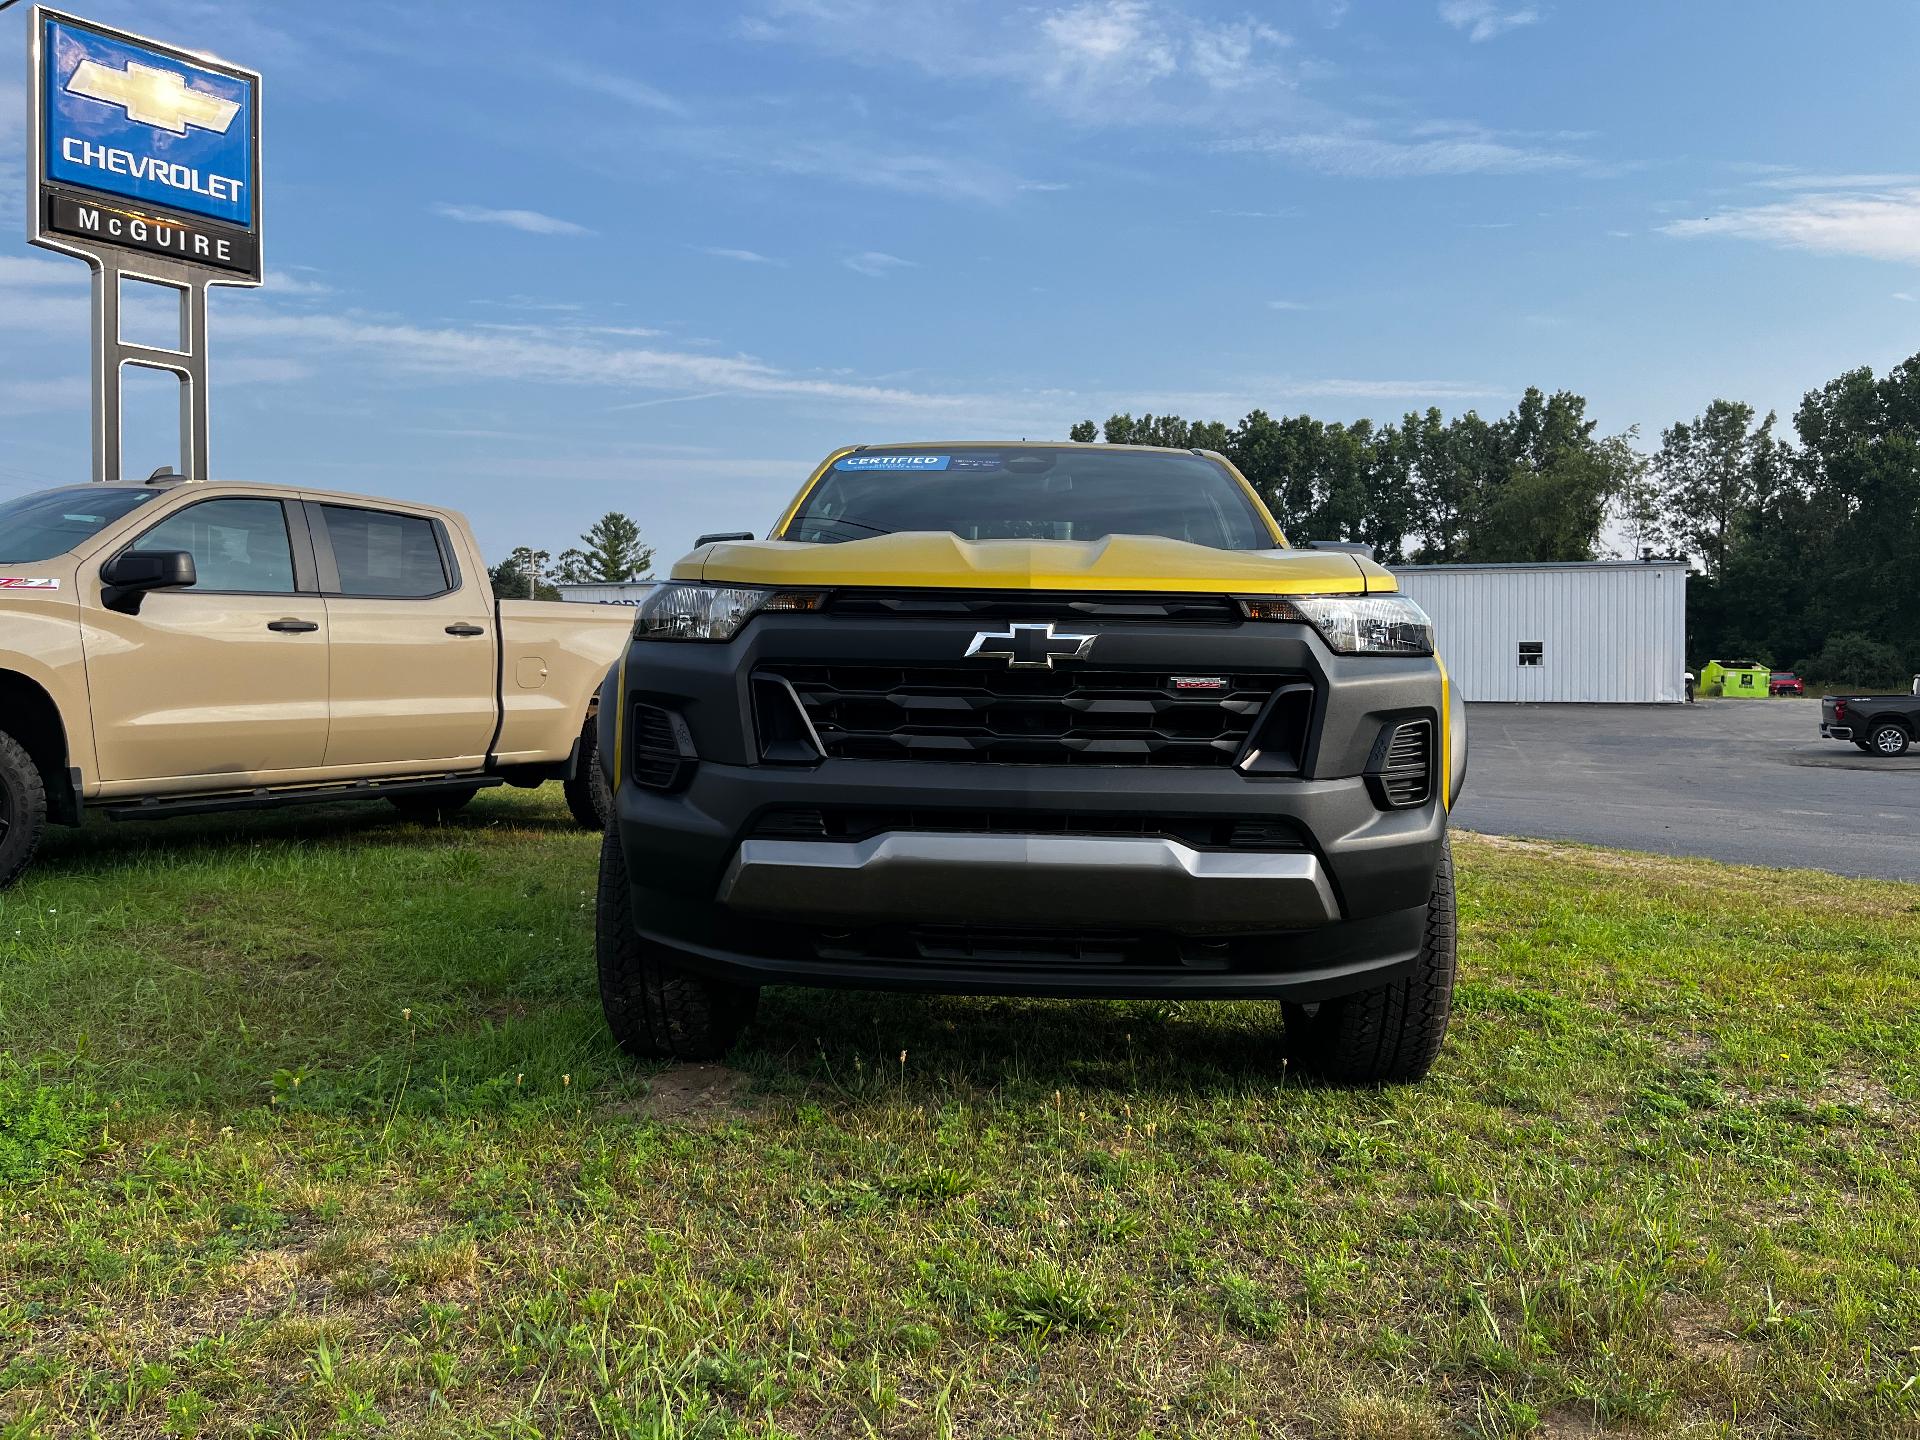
(1748, 781)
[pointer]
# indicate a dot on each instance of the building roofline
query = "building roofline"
(1529, 565)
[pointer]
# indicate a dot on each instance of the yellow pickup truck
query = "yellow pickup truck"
(1033, 719)
(174, 648)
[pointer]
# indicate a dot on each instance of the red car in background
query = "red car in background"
(1785, 682)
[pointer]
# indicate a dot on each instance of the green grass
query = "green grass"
(308, 1126)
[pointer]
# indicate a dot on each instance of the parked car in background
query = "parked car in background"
(1785, 682)
(174, 648)
(1878, 724)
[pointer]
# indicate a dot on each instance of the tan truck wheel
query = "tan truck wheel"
(656, 1010)
(588, 796)
(1390, 1035)
(23, 809)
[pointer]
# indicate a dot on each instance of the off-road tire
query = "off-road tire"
(1389, 1035)
(429, 807)
(589, 796)
(1889, 739)
(23, 809)
(656, 1009)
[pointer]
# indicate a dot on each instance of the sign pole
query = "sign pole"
(112, 355)
(146, 164)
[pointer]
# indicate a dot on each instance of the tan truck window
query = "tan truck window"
(380, 553)
(237, 545)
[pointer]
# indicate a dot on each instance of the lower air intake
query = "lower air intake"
(1401, 773)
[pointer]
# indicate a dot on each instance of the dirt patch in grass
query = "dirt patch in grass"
(683, 1092)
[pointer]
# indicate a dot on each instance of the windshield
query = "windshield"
(39, 527)
(1012, 492)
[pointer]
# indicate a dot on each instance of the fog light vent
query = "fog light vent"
(1401, 773)
(663, 754)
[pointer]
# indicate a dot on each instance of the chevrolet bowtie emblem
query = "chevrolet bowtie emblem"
(159, 98)
(1029, 647)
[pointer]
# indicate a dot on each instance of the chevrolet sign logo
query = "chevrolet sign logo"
(159, 98)
(1029, 647)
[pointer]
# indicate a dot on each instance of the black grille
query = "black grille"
(858, 822)
(658, 762)
(1031, 717)
(1403, 775)
(1035, 605)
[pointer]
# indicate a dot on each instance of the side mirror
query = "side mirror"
(718, 536)
(131, 574)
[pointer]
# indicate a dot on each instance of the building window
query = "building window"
(1533, 652)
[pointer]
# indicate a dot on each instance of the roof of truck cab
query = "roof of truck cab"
(176, 482)
(1100, 445)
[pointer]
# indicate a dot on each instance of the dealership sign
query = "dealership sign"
(143, 147)
(145, 163)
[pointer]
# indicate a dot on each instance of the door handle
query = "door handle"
(293, 627)
(465, 630)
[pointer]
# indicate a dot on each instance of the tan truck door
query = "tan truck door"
(412, 644)
(225, 679)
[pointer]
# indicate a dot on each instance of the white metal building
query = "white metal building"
(628, 592)
(1606, 631)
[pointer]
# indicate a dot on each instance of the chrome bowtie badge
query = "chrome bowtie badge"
(1029, 647)
(153, 97)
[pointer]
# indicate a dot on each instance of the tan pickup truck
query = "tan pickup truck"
(174, 648)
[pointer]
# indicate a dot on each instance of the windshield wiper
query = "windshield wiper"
(855, 524)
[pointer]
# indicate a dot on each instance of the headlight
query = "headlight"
(1354, 624)
(712, 612)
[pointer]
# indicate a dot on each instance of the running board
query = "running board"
(167, 807)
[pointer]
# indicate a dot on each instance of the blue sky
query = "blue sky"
(542, 261)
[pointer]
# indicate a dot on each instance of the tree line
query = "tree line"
(1807, 549)
(609, 553)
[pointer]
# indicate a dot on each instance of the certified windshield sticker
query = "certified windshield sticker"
(893, 462)
(26, 582)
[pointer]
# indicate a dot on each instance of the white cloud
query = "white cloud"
(562, 355)
(34, 397)
(1483, 19)
(877, 262)
(28, 273)
(532, 222)
(1149, 64)
(1337, 389)
(1287, 305)
(1878, 226)
(745, 257)
(623, 88)
(1368, 156)
(259, 370)
(1903, 295)
(1797, 180)
(298, 281)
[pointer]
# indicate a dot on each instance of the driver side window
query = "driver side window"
(239, 546)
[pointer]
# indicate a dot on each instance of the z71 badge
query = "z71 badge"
(25, 582)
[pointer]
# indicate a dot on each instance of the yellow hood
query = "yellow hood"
(939, 560)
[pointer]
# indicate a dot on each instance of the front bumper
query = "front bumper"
(1034, 879)
(912, 877)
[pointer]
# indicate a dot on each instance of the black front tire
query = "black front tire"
(23, 809)
(1392, 1034)
(656, 1009)
(589, 797)
(1889, 740)
(430, 807)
